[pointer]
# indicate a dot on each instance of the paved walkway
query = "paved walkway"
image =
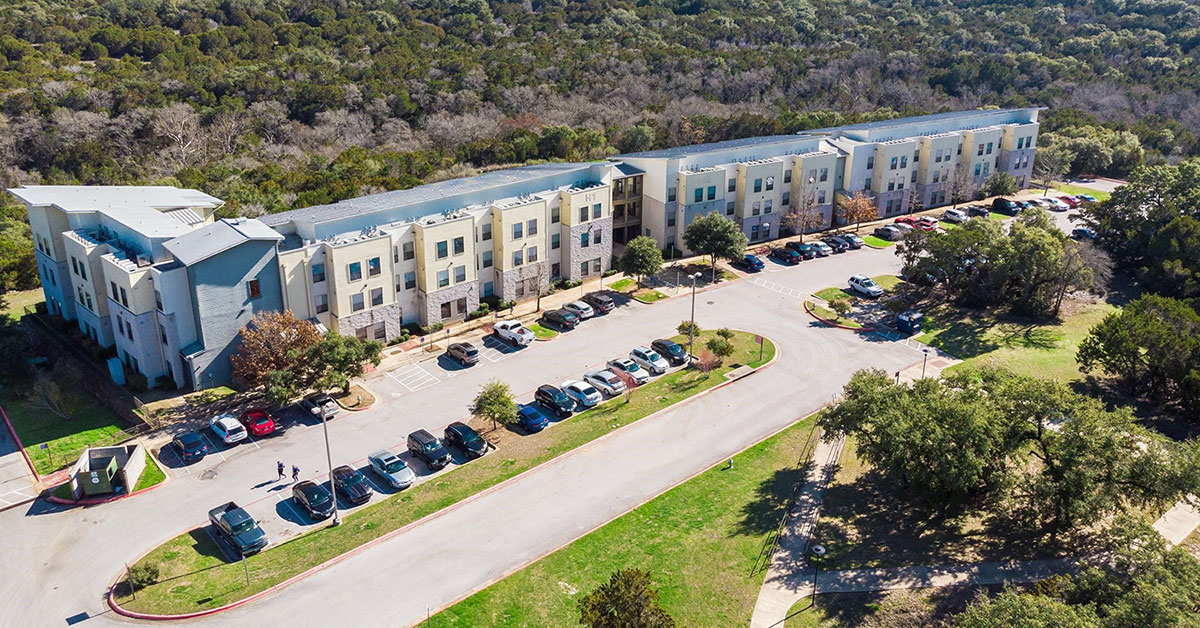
(17, 483)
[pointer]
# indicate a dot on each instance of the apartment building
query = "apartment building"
(758, 181)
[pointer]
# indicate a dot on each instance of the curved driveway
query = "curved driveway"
(68, 557)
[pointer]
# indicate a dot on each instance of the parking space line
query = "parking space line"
(774, 287)
(287, 501)
(182, 465)
(212, 446)
(251, 439)
(413, 377)
(374, 485)
(5, 500)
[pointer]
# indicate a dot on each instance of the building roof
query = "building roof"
(678, 152)
(152, 210)
(220, 236)
(629, 170)
(947, 116)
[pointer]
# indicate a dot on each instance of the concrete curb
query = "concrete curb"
(95, 502)
(863, 329)
(20, 446)
(373, 404)
(112, 603)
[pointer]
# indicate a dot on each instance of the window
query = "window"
(959, 152)
(443, 278)
(129, 330)
(520, 291)
(554, 216)
(977, 167)
(555, 270)
(409, 253)
(113, 286)
(597, 209)
(786, 200)
(812, 175)
(758, 185)
(446, 310)
(824, 174)
(356, 302)
(83, 270)
(487, 259)
(899, 184)
(904, 161)
(489, 289)
(318, 273)
(583, 213)
(867, 186)
(986, 169)
(670, 195)
(757, 207)
(1029, 142)
(460, 273)
(1020, 143)
(619, 210)
(517, 230)
(255, 291)
(619, 186)
(374, 267)
(531, 254)
(460, 305)
(460, 246)
(914, 176)
(821, 196)
(355, 271)
(699, 195)
(410, 280)
(487, 231)
(770, 183)
(596, 266)
(124, 298)
(870, 162)
(895, 160)
(891, 185)
(379, 331)
(916, 156)
(583, 268)
(158, 301)
(583, 239)
(531, 227)
(754, 232)
(937, 176)
(732, 185)
(787, 176)
(671, 219)
(989, 148)
(599, 235)
(767, 206)
(518, 257)
(443, 250)
(162, 333)
(980, 151)
(937, 156)
(553, 241)
(729, 205)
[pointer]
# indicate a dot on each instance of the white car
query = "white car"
(227, 428)
(606, 381)
(513, 331)
(864, 285)
(582, 393)
(1058, 205)
(630, 368)
(580, 309)
(649, 360)
(956, 216)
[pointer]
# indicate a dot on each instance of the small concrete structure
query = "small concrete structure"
(107, 470)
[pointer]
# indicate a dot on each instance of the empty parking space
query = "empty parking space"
(494, 349)
(16, 496)
(413, 377)
(774, 287)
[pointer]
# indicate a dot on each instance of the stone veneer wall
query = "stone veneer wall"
(431, 303)
(574, 255)
(390, 315)
(508, 280)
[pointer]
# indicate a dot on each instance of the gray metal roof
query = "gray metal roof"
(220, 236)
(143, 208)
(629, 170)
(697, 149)
(933, 117)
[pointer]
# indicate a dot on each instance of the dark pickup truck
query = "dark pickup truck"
(239, 528)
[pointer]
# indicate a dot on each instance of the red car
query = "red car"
(258, 421)
(906, 220)
(1071, 201)
(926, 224)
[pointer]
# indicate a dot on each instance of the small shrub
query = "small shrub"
(163, 382)
(841, 306)
(610, 272)
(686, 327)
(431, 328)
(142, 576)
(480, 313)
(725, 333)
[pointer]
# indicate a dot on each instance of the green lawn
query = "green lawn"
(1067, 188)
(887, 282)
(947, 225)
(830, 315)
(831, 294)
(913, 607)
(151, 476)
(649, 296)
(1041, 350)
(90, 425)
(540, 331)
(878, 243)
(623, 285)
(195, 576)
(699, 541)
(998, 216)
(15, 302)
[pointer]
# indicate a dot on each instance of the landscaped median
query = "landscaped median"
(193, 577)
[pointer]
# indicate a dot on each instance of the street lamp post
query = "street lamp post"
(923, 361)
(692, 327)
(337, 519)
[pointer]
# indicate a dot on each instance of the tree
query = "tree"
(706, 361)
(715, 236)
(1012, 609)
(726, 333)
(857, 208)
(18, 266)
(625, 601)
(641, 258)
(495, 403)
(336, 359)
(804, 213)
(840, 305)
(638, 138)
(280, 387)
(1000, 184)
(688, 328)
(54, 392)
(1050, 164)
(271, 341)
(916, 203)
(719, 347)
(963, 186)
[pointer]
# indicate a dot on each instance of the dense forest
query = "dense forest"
(285, 103)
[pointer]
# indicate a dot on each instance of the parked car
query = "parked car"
(804, 249)
(978, 210)
(1023, 206)
(461, 435)
(852, 240)
(630, 368)
(427, 448)
(562, 319)
(1041, 203)
(580, 309)
(955, 216)
(926, 223)
(314, 498)
(1069, 200)
(606, 381)
(227, 428)
(865, 285)
(650, 360)
(1085, 198)
(670, 350)
(555, 400)
(785, 255)
(600, 302)
(903, 227)
(889, 233)
(514, 332)
(751, 263)
(1058, 205)
(351, 484)
(835, 243)
(905, 220)
(238, 527)
(320, 405)
(258, 421)
(822, 249)
(190, 447)
(391, 468)
(464, 353)
(582, 393)
(531, 419)
(1004, 206)
(1083, 233)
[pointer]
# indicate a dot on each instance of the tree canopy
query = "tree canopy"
(715, 236)
(627, 600)
(641, 258)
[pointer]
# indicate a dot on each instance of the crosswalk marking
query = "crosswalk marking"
(16, 496)
(413, 377)
(774, 287)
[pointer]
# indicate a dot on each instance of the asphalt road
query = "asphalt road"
(65, 558)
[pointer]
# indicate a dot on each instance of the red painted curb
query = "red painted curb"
(95, 502)
(20, 446)
(864, 328)
(112, 603)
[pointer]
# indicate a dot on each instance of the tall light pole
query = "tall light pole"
(337, 519)
(923, 361)
(692, 327)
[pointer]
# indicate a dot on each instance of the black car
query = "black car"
(601, 303)
(670, 350)
(978, 210)
(555, 400)
(1005, 206)
(785, 255)
(190, 446)
(806, 250)
(429, 449)
(464, 353)
(351, 484)
(561, 319)
(315, 498)
(836, 243)
(461, 435)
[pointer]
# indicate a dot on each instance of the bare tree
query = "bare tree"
(857, 208)
(804, 213)
(179, 124)
(1050, 164)
(915, 202)
(227, 130)
(53, 392)
(963, 185)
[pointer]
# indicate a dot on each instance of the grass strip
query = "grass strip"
(623, 285)
(90, 425)
(151, 476)
(541, 331)
(194, 575)
(649, 296)
(832, 316)
(878, 243)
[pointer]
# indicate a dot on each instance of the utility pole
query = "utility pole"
(337, 519)
(692, 327)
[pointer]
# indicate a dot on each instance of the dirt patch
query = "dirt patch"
(358, 398)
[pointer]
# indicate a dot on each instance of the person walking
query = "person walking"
(279, 468)
(295, 474)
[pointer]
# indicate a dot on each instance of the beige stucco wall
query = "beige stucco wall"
(428, 264)
(337, 272)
